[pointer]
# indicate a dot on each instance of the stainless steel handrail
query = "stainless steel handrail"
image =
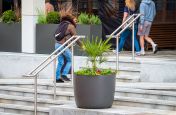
(31, 73)
(115, 31)
(117, 36)
(34, 73)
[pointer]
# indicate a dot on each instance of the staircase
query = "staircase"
(16, 96)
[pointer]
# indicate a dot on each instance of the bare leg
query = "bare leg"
(148, 39)
(142, 42)
(142, 45)
(154, 46)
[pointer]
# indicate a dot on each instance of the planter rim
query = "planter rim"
(88, 24)
(96, 75)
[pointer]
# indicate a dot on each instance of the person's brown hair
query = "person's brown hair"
(66, 14)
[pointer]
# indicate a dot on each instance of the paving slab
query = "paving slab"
(71, 109)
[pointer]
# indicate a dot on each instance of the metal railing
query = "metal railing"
(52, 57)
(116, 35)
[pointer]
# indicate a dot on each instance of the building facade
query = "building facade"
(163, 30)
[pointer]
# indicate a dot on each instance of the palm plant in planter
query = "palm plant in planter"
(94, 87)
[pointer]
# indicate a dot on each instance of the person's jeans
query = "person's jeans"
(125, 35)
(67, 55)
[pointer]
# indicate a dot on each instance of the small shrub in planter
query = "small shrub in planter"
(41, 18)
(94, 19)
(94, 87)
(83, 18)
(8, 16)
(53, 18)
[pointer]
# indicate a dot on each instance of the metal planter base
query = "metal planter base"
(94, 92)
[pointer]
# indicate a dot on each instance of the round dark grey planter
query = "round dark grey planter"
(95, 92)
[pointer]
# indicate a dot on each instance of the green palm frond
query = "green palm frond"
(95, 49)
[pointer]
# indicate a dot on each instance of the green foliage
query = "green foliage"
(83, 18)
(95, 49)
(53, 18)
(41, 17)
(91, 73)
(94, 19)
(8, 16)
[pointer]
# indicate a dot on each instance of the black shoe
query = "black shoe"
(65, 78)
(59, 81)
(156, 49)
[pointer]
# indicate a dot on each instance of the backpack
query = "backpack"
(61, 30)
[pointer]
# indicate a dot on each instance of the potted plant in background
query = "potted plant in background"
(10, 32)
(88, 25)
(94, 87)
(45, 28)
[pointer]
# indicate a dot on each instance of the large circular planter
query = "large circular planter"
(94, 92)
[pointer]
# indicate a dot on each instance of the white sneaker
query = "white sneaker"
(138, 53)
(155, 48)
(142, 52)
(114, 51)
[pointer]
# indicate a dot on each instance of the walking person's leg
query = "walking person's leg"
(59, 65)
(148, 39)
(154, 46)
(136, 43)
(67, 54)
(142, 45)
(123, 37)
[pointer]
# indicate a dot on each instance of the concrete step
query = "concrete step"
(121, 66)
(28, 83)
(127, 78)
(119, 100)
(4, 113)
(146, 103)
(115, 110)
(29, 101)
(68, 91)
(63, 90)
(48, 84)
(129, 72)
(145, 93)
(149, 86)
(21, 109)
(46, 94)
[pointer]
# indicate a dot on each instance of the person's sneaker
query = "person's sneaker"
(114, 51)
(65, 78)
(59, 81)
(155, 49)
(142, 53)
(138, 53)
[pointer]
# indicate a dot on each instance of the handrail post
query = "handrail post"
(133, 34)
(72, 70)
(35, 94)
(34, 73)
(54, 65)
(117, 53)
